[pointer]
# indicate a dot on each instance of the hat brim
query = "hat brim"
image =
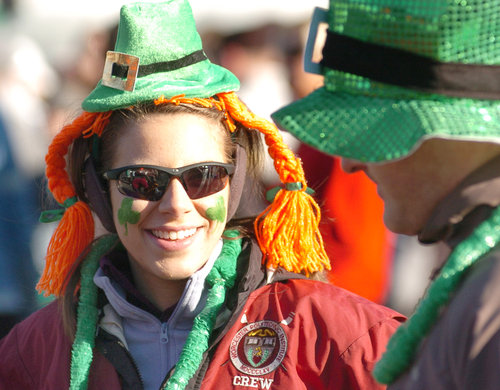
(202, 80)
(373, 129)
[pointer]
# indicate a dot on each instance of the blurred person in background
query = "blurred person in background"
(80, 74)
(256, 58)
(411, 98)
(26, 83)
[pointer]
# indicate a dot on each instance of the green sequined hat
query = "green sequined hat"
(158, 52)
(399, 72)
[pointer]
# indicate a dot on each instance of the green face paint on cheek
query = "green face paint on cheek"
(127, 215)
(218, 212)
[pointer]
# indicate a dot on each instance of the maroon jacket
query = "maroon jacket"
(293, 334)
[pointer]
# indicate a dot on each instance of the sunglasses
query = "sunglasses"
(150, 182)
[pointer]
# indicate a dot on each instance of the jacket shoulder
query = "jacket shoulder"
(337, 301)
(44, 325)
(35, 349)
(350, 321)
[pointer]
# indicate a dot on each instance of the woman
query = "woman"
(178, 296)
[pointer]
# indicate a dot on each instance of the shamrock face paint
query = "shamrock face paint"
(217, 212)
(126, 214)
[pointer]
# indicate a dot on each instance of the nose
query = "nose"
(352, 166)
(175, 200)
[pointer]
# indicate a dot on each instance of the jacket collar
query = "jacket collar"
(463, 209)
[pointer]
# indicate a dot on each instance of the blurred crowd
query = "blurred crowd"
(39, 93)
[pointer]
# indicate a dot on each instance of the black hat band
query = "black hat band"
(409, 70)
(121, 70)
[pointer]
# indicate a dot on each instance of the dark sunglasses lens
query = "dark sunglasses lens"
(205, 180)
(150, 183)
(142, 183)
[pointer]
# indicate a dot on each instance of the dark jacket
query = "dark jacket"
(290, 334)
(462, 351)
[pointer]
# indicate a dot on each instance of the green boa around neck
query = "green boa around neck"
(404, 344)
(220, 279)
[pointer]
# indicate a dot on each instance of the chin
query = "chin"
(183, 273)
(176, 277)
(400, 226)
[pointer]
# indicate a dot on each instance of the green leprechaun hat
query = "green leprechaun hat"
(399, 72)
(158, 52)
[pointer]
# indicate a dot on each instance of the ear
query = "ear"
(97, 196)
(237, 181)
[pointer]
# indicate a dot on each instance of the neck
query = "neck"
(160, 292)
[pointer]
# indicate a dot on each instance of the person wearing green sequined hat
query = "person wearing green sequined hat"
(411, 97)
(178, 289)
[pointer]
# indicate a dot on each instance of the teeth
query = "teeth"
(174, 235)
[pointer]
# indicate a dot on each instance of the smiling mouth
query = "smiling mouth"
(174, 235)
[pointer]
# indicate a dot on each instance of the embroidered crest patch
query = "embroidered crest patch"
(258, 348)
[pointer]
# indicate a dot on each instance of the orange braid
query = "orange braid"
(76, 228)
(288, 229)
